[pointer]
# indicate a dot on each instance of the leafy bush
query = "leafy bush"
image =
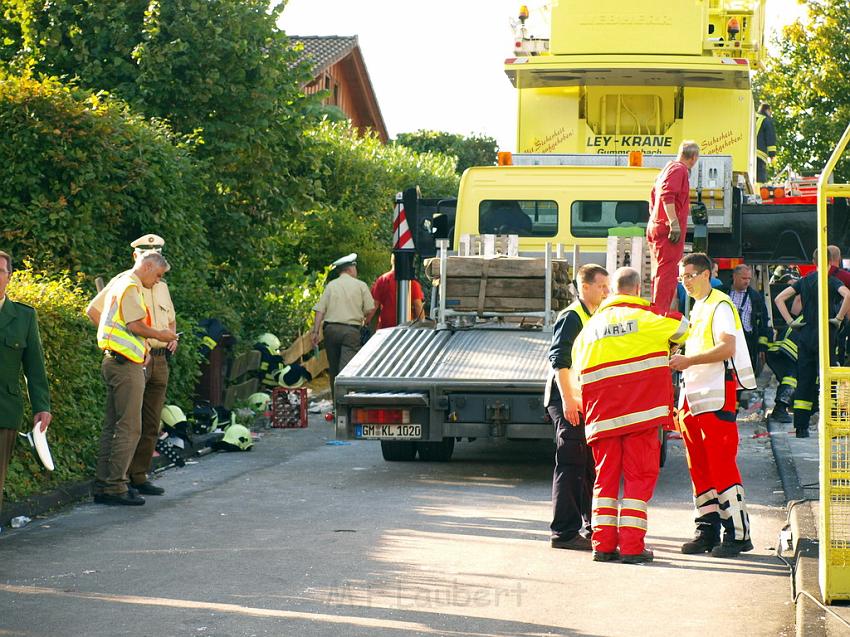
(77, 392)
(360, 177)
(88, 178)
(475, 150)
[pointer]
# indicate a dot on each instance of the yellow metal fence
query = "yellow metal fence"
(835, 416)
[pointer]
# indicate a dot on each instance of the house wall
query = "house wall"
(345, 92)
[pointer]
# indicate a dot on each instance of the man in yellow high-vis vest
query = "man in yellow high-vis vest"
(124, 325)
(158, 302)
(621, 358)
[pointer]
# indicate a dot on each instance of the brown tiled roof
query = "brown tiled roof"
(325, 50)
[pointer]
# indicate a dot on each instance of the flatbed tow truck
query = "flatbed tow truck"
(604, 102)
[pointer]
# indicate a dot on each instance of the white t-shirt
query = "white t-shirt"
(723, 323)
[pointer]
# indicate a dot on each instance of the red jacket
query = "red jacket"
(384, 292)
(622, 360)
(672, 186)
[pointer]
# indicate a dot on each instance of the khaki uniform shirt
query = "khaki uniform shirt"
(158, 301)
(345, 300)
(131, 307)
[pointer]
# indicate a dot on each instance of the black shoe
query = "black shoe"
(731, 548)
(803, 432)
(640, 558)
(576, 543)
(780, 414)
(148, 488)
(600, 556)
(126, 499)
(702, 543)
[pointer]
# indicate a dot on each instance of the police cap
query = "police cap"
(148, 242)
(345, 261)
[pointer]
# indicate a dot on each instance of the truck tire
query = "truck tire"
(398, 450)
(436, 451)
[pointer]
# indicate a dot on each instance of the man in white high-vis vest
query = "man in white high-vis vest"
(716, 363)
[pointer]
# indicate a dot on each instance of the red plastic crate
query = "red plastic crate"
(289, 408)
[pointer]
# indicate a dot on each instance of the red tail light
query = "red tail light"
(380, 416)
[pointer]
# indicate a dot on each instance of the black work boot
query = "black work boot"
(731, 547)
(780, 414)
(802, 432)
(704, 540)
(641, 558)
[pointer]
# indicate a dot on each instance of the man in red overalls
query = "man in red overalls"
(669, 205)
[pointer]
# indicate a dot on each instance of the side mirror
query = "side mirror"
(440, 226)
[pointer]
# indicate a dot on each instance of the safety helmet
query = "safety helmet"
(283, 377)
(172, 416)
(205, 417)
(237, 438)
(259, 402)
(271, 341)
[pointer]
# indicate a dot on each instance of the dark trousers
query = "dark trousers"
(7, 445)
(785, 370)
(156, 384)
(122, 424)
(753, 349)
(342, 342)
(806, 396)
(572, 482)
(807, 383)
(761, 171)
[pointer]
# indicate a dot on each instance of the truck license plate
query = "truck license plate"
(402, 432)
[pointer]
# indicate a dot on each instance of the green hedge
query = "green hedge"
(356, 180)
(89, 177)
(360, 177)
(76, 390)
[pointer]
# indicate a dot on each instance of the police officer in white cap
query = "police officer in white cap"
(345, 306)
(161, 308)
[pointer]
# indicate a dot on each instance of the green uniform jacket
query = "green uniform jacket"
(20, 348)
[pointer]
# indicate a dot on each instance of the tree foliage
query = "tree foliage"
(808, 86)
(88, 177)
(185, 118)
(474, 150)
(357, 178)
(219, 73)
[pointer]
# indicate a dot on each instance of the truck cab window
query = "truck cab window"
(595, 218)
(524, 218)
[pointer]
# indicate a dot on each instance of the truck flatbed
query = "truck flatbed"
(476, 356)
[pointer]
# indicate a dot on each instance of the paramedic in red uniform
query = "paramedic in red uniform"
(669, 205)
(716, 363)
(622, 358)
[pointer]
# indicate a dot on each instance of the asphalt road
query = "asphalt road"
(300, 537)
